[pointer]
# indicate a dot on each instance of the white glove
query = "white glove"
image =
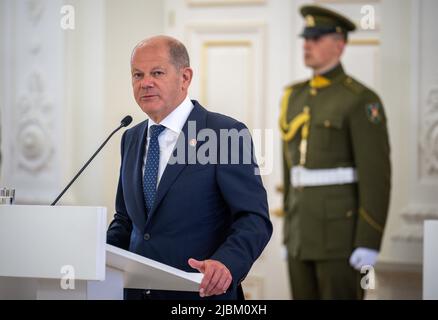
(363, 257)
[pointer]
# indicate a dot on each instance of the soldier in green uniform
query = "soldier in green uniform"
(336, 168)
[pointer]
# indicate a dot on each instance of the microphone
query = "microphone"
(126, 121)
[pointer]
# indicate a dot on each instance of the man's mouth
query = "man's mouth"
(148, 96)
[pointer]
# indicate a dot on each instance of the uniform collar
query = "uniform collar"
(334, 73)
(326, 79)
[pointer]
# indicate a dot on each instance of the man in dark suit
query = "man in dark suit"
(172, 205)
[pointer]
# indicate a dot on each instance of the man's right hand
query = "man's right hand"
(217, 278)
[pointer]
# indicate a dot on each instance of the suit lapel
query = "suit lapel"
(138, 170)
(172, 171)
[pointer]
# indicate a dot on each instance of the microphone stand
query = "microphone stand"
(123, 124)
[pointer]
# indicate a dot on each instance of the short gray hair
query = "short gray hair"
(178, 54)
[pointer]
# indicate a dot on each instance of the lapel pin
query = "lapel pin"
(193, 142)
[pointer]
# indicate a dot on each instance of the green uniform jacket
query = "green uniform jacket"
(347, 129)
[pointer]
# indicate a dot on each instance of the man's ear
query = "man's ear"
(187, 76)
(341, 46)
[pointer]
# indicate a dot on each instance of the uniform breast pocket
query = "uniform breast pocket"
(328, 133)
(340, 221)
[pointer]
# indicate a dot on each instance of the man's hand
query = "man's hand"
(363, 257)
(217, 278)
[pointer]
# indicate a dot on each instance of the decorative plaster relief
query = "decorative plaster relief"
(34, 146)
(35, 9)
(429, 136)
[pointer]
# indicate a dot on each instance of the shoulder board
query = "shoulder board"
(296, 85)
(354, 85)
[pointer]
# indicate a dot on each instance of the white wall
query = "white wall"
(2, 50)
(397, 93)
(127, 23)
(100, 93)
(85, 100)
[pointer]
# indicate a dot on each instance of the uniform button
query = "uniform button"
(147, 236)
(349, 80)
(349, 214)
(327, 123)
(313, 92)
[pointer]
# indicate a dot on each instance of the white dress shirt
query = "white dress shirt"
(174, 123)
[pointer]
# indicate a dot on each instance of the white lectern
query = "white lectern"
(61, 253)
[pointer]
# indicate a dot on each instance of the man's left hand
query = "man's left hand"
(217, 278)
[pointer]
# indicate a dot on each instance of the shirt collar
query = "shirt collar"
(177, 118)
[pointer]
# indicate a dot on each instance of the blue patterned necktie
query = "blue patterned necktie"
(151, 169)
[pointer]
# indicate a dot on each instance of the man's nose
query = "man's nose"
(147, 82)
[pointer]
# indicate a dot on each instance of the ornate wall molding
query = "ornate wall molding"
(35, 9)
(233, 41)
(429, 134)
(427, 95)
(34, 114)
(32, 119)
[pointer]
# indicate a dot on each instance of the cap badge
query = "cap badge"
(310, 21)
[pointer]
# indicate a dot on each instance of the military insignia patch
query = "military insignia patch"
(374, 112)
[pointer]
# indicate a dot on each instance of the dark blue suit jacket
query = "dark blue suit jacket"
(210, 211)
